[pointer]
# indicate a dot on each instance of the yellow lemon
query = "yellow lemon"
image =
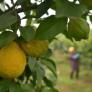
(35, 48)
(12, 61)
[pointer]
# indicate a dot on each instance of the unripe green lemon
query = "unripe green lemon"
(78, 28)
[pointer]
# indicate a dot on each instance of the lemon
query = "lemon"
(35, 48)
(12, 61)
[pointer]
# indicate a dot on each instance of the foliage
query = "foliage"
(83, 47)
(34, 78)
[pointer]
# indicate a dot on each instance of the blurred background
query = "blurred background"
(59, 47)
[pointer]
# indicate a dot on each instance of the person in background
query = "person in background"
(74, 58)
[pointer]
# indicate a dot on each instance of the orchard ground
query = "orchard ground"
(64, 83)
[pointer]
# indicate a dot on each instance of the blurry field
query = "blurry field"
(64, 83)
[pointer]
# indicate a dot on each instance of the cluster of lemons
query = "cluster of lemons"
(13, 56)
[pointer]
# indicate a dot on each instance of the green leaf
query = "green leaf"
(32, 63)
(50, 65)
(19, 1)
(15, 26)
(42, 8)
(50, 27)
(67, 35)
(1, 1)
(7, 19)
(25, 4)
(29, 21)
(27, 88)
(48, 82)
(37, 67)
(47, 89)
(1, 12)
(6, 37)
(27, 33)
(90, 18)
(4, 85)
(21, 88)
(66, 8)
(40, 72)
(15, 88)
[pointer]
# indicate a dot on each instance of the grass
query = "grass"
(65, 84)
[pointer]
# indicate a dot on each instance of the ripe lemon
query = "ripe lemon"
(12, 61)
(35, 48)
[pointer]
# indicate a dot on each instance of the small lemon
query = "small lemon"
(35, 48)
(12, 61)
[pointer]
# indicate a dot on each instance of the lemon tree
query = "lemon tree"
(24, 49)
